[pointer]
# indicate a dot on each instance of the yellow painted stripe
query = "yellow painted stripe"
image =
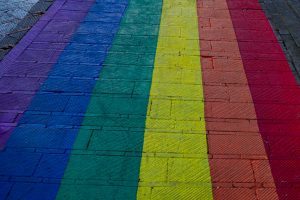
(175, 163)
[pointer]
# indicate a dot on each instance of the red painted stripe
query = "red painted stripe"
(238, 161)
(275, 94)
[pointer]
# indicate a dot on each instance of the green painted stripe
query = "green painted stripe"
(105, 160)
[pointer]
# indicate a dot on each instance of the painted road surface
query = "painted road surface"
(152, 99)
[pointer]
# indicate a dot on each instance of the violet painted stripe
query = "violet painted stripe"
(34, 65)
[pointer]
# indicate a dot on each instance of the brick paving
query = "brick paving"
(144, 99)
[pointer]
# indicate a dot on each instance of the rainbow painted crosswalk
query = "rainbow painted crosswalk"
(149, 99)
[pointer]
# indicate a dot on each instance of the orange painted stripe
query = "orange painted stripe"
(238, 161)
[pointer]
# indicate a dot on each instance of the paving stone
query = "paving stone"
(51, 166)
(18, 163)
(25, 137)
(231, 170)
(40, 103)
(116, 141)
(238, 145)
(64, 85)
(183, 192)
(95, 192)
(120, 168)
(233, 193)
(32, 191)
(14, 101)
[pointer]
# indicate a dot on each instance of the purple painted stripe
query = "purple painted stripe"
(26, 67)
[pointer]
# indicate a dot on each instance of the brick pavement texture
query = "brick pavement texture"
(17, 17)
(153, 99)
(12, 13)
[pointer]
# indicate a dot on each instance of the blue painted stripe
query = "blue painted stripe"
(39, 147)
